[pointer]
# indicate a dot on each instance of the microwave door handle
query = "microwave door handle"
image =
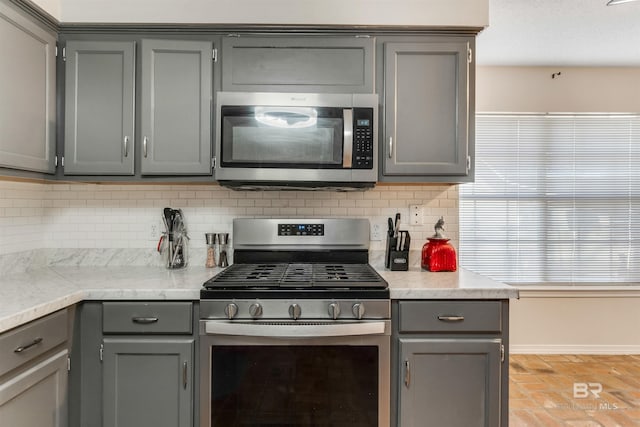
(294, 330)
(347, 138)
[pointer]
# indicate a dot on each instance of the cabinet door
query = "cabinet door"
(99, 101)
(426, 109)
(449, 382)
(176, 107)
(148, 382)
(27, 93)
(298, 64)
(36, 397)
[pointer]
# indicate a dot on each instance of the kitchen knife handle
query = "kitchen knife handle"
(125, 144)
(144, 320)
(407, 373)
(390, 147)
(145, 140)
(184, 375)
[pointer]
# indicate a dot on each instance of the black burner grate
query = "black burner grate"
(282, 275)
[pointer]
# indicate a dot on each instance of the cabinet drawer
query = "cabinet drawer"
(146, 317)
(31, 340)
(454, 316)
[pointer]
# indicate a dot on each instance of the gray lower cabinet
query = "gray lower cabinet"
(37, 397)
(148, 382)
(27, 92)
(147, 370)
(451, 363)
(33, 373)
(176, 101)
(99, 108)
(427, 109)
(450, 382)
(298, 64)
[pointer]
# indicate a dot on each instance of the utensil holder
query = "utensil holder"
(397, 251)
(177, 248)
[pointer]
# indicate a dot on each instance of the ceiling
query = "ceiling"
(560, 32)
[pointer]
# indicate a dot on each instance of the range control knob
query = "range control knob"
(295, 311)
(255, 310)
(358, 310)
(231, 310)
(334, 310)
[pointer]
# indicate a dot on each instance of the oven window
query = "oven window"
(294, 386)
(281, 137)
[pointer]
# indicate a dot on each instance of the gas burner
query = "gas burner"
(270, 263)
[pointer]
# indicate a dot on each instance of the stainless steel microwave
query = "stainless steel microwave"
(296, 140)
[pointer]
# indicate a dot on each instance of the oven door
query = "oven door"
(295, 373)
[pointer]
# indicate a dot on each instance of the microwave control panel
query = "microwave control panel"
(362, 138)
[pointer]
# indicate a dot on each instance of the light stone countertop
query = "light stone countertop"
(30, 295)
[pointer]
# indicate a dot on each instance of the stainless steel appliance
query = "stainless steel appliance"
(297, 331)
(296, 140)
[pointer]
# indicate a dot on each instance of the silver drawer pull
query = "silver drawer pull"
(28, 346)
(144, 320)
(451, 318)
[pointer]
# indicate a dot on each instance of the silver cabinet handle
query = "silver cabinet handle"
(144, 320)
(390, 147)
(145, 140)
(451, 318)
(407, 373)
(28, 346)
(126, 146)
(184, 375)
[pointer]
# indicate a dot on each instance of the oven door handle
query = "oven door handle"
(294, 330)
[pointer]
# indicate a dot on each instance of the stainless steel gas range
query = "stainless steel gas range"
(297, 331)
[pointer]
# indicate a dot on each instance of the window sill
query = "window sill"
(579, 291)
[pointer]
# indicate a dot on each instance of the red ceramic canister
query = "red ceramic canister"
(438, 255)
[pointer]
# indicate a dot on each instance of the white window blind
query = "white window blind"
(556, 199)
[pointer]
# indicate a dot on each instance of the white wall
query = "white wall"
(576, 90)
(473, 13)
(52, 7)
(575, 322)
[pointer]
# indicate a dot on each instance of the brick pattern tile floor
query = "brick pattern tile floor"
(560, 390)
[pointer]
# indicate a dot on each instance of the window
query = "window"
(556, 199)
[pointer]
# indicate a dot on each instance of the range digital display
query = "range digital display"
(300, 229)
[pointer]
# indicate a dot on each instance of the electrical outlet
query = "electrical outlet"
(415, 215)
(376, 232)
(154, 232)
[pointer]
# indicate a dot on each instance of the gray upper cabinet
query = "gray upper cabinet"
(176, 107)
(298, 64)
(27, 88)
(426, 110)
(99, 108)
(450, 382)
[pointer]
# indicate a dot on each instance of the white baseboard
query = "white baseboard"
(573, 349)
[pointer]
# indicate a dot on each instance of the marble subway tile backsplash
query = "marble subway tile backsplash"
(105, 218)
